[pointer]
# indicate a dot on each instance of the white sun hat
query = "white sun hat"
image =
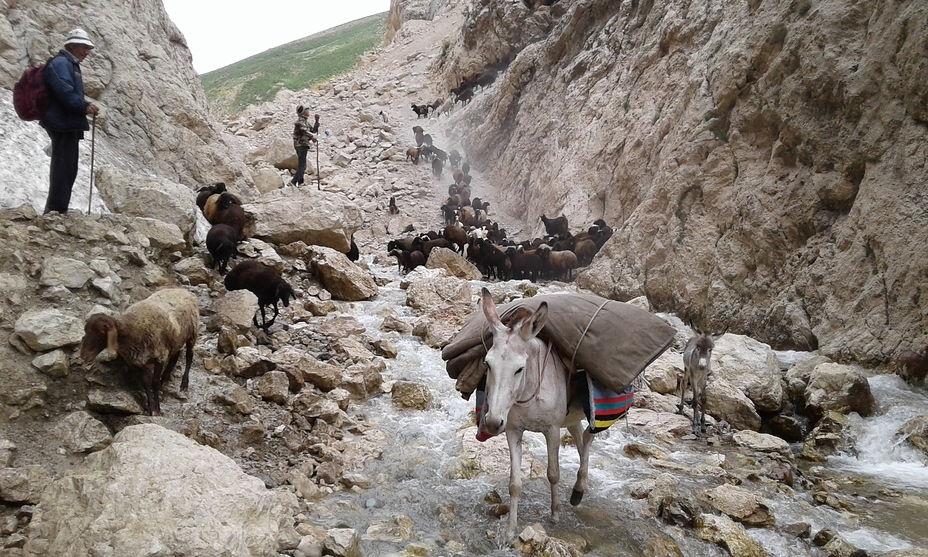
(78, 36)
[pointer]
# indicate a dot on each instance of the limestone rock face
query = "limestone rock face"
(154, 488)
(153, 118)
(760, 162)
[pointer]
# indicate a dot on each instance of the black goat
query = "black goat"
(221, 242)
(556, 226)
(263, 282)
(421, 110)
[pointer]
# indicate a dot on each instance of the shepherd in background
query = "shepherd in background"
(66, 119)
(302, 138)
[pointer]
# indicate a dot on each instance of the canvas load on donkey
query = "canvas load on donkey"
(611, 341)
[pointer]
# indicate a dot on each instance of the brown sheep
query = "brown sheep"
(524, 265)
(468, 216)
(465, 195)
(408, 260)
(559, 264)
(148, 338)
(209, 197)
(585, 250)
(457, 236)
(912, 366)
(412, 154)
(228, 210)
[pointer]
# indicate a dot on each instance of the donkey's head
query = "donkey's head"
(698, 351)
(508, 358)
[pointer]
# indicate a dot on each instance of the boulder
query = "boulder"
(726, 533)
(740, 504)
(305, 214)
(752, 367)
(342, 278)
(46, 329)
(64, 271)
(726, 402)
(80, 432)
(428, 289)
(838, 388)
(454, 263)
(149, 197)
(155, 491)
(411, 395)
(915, 433)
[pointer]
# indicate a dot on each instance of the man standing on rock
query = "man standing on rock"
(302, 138)
(66, 119)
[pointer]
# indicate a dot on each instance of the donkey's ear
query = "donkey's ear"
(531, 327)
(489, 309)
(719, 335)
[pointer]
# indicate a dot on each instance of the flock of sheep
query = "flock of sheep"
(469, 231)
(149, 335)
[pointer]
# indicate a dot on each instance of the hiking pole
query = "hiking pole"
(93, 134)
(318, 183)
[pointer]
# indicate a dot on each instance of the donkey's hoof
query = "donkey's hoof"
(576, 497)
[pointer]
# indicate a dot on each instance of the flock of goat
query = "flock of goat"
(468, 230)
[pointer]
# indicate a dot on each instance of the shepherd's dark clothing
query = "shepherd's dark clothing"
(302, 138)
(65, 122)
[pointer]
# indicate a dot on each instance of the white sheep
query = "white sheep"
(148, 337)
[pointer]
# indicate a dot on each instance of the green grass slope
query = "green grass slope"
(295, 66)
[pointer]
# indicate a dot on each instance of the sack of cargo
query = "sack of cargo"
(613, 341)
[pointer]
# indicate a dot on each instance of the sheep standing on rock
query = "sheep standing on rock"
(148, 337)
(263, 282)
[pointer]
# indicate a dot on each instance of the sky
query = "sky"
(220, 33)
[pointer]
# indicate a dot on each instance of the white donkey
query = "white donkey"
(528, 390)
(697, 367)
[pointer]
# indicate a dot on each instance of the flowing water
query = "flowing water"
(428, 499)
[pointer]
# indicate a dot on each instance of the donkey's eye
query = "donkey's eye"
(518, 371)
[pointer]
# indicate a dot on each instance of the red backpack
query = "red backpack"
(30, 99)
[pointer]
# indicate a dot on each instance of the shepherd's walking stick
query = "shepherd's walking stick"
(318, 183)
(93, 134)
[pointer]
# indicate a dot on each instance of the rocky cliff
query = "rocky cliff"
(154, 118)
(763, 162)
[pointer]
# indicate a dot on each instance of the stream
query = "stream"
(428, 499)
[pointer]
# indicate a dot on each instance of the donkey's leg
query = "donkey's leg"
(583, 439)
(683, 383)
(514, 440)
(553, 441)
(702, 407)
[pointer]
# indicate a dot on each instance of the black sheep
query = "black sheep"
(263, 282)
(221, 241)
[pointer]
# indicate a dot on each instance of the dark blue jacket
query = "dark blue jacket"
(68, 110)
